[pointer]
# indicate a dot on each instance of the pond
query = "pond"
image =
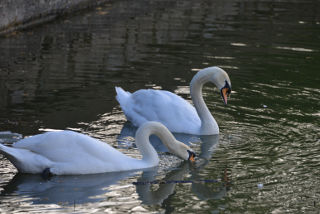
(266, 159)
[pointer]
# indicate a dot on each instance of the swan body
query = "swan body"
(174, 112)
(68, 152)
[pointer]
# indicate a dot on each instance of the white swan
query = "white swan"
(68, 152)
(175, 113)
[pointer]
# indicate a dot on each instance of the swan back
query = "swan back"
(177, 114)
(58, 146)
(70, 152)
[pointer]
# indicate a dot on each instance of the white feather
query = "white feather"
(68, 152)
(174, 112)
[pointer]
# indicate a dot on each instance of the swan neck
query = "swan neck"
(143, 141)
(149, 154)
(197, 98)
(208, 123)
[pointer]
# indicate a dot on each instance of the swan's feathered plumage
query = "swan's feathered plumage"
(63, 151)
(177, 114)
(68, 152)
(173, 111)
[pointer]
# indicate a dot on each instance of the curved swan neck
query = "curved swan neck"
(208, 123)
(143, 143)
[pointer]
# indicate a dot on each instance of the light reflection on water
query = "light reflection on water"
(62, 76)
(114, 192)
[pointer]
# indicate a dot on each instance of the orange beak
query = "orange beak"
(192, 155)
(224, 95)
(191, 158)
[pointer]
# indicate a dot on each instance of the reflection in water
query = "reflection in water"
(63, 189)
(150, 196)
(71, 190)
(62, 75)
(198, 186)
(209, 144)
(9, 137)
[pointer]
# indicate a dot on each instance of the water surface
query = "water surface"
(266, 160)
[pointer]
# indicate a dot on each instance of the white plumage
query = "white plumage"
(68, 152)
(174, 112)
(158, 105)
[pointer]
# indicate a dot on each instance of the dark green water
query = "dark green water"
(266, 160)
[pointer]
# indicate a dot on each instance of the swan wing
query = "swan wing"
(68, 152)
(162, 106)
(69, 146)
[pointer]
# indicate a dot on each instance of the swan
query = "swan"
(174, 112)
(70, 153)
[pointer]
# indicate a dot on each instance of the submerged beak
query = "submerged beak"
(224, 96)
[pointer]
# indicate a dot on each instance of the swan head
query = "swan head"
(192, 155)
(221, 79)
(215, 75)
(182, 151)
(174, 146)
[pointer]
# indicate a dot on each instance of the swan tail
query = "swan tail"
(24, 160)
(7, 151)
(11, 154)
(122, 97)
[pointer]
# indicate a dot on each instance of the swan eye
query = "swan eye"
(192, 155)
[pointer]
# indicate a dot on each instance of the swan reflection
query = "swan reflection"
(92, 188)
(204, 189)
(64, 189)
